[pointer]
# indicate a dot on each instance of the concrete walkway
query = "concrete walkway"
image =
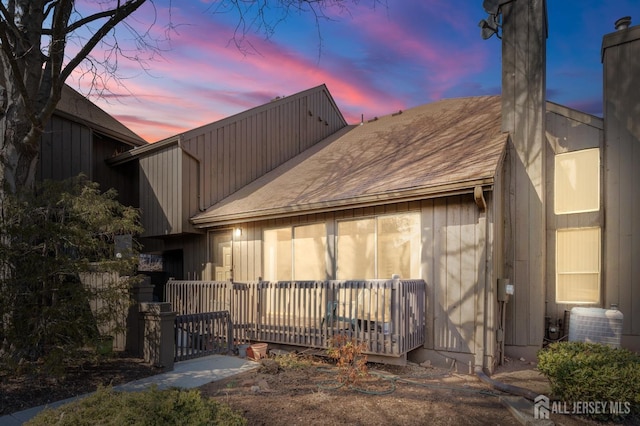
(186, 374)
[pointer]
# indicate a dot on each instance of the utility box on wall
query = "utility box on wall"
(505, 289)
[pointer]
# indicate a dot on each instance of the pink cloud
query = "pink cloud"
(442, 62)
(203, 78)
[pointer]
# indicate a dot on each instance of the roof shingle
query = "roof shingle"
(424, 150)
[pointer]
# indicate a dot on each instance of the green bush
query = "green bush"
(52, 237)
(592, 372)
(150, 407)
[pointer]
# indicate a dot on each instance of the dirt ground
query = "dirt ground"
(390, 395)
(39, 386)
(304, 390)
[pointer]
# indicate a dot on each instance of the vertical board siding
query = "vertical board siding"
(68, 148)
(190, 196)
(428, 268)
(523, 101)
(123, 177)
(230, 154)
(160, 185)
(65, 150)
(458, 259)
(236, 151)
(521, 302)
(621, 59)
(567, 131)
(453, 284)
(471, 272)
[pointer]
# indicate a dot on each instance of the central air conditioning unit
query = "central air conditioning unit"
(596, 325)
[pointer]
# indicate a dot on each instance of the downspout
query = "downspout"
(504, 387)
(482, 301)
(198, 171)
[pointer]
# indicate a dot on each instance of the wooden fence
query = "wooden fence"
(107, 295)
(387, 315)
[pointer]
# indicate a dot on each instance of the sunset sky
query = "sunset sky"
(374, 60)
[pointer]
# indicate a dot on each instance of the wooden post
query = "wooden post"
(159, 341)
(140, 293)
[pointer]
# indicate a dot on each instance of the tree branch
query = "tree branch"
(8, 19)
(81, 22)
(9, 54)
(118, 15)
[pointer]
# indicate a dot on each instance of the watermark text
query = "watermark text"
(543, 407)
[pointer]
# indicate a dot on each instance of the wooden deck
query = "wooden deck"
(388, 315)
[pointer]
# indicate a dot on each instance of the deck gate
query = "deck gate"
(203, 334)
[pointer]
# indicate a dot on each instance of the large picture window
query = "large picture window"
(356, 249)
(277, 254)
(379, 247)
(577, 181)
(578, 265)
(309, 252)
(297, 253)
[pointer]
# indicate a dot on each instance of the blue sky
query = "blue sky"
(374, 60)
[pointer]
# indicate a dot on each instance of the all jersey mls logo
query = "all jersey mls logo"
(541, 407)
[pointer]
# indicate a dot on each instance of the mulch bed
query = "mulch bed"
(19, 392)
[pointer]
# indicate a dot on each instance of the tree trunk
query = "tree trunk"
(18, 151)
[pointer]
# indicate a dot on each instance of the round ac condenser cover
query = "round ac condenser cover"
(596, 325)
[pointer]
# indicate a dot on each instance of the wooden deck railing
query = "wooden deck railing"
(387, 315)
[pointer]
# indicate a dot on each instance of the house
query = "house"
(79, 137)
(183, 175)
(476, 196)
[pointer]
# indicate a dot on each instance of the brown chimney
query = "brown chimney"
(524, 37)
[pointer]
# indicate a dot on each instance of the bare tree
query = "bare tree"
(34, 35)
(42, 42)
(35, 59)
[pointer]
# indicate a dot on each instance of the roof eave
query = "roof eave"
(141, 150)
(128, 139)
(413, 194)
(576, 115)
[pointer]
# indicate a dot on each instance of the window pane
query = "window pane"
(277, 254)
(578, 265)
(399, 246)
(578, 288)
(577, 181)
(356, 257)
(309, 252)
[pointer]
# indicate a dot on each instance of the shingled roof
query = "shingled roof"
(435, 149)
